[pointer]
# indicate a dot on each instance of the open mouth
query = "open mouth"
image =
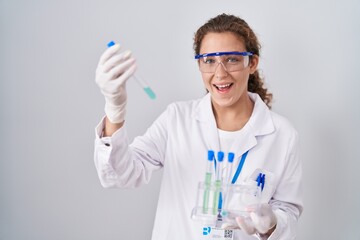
(223, 87)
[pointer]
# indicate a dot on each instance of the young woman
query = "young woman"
(234, 116)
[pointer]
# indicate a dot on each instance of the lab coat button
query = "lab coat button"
(107, 144)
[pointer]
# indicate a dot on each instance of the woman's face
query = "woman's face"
(227, 89)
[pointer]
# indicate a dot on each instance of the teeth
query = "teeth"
(223, 86)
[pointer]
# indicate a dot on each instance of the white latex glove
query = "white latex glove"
(261, 220)
(113, 70)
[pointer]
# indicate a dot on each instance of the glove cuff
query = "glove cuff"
(116, 114)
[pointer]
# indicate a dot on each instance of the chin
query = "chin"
(223, 102)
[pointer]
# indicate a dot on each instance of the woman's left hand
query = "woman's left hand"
(262, 220)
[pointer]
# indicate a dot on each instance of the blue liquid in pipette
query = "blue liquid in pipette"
(147, 90)
(150, 92)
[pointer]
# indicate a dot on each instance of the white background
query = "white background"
(50, 105)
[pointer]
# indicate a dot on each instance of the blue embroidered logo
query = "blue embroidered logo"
(206, 231)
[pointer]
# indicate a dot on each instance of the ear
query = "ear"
(254, 61)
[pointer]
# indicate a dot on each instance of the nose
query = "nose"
(221, 72)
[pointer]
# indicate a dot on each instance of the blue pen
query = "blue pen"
(142, 83)
(262, 182)
(258, 179)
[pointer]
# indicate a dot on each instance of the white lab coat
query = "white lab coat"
(179, 140)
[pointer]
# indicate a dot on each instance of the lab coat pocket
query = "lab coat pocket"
(269, 184)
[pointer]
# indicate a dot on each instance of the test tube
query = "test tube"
(228, 179)
(141, 81)
(208, 176)
(145, 87)
(218, 176)
(231, 157)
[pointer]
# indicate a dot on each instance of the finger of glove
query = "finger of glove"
(246, 225)
(125, 75)
(228, 225)
(262, 209)
(266, 210)
(115, 60)
(111, 82)
(108, 53)
(263, 222)
(122, 70)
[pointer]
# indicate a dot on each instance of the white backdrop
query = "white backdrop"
(50, 106)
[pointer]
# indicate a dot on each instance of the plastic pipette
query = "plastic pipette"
(141, 81)
(218, 176)
(208, 175)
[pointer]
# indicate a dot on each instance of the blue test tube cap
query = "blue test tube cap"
(110, 44)
(211, 155)
(231, 157)
(220, 156)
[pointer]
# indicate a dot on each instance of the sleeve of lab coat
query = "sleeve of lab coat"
(123, 165)
(287, 200)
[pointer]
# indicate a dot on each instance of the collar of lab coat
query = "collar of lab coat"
(260, 123)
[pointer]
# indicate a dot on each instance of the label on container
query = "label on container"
(211, 233)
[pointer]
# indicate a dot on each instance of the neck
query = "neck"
(233, 118)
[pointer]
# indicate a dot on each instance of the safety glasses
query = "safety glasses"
(231, 61)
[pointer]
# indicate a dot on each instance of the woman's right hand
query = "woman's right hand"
(113, 70)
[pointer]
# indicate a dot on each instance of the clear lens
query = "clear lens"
(231, 63)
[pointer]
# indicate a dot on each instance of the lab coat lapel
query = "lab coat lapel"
(244, 142)
(260, 123)
(204, 114)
